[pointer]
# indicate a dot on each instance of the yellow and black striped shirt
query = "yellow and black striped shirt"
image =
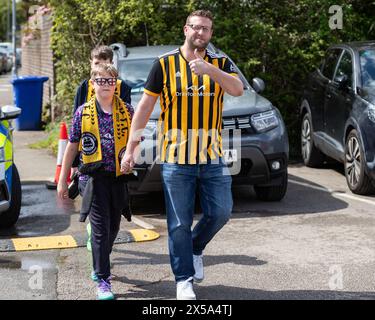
(191, 108)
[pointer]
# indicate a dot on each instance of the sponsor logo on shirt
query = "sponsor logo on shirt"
(195, 91)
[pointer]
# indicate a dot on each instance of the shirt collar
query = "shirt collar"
(99, 108)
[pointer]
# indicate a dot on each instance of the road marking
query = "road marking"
(334, 193)
(42, 243)
(144, 235)
(142, 223)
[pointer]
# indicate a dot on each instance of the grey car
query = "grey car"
(338, 113)
(7, 59)
(3, 62)
(255, 140)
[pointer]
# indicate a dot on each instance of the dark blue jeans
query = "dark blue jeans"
(180, 183)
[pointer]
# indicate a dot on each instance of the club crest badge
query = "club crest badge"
(89, 144)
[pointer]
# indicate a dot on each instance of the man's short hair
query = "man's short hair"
(102, 68)
(200, 13)
(102, 53)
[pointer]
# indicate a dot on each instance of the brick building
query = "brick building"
(37, 55)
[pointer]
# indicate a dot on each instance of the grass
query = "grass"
(52, 141)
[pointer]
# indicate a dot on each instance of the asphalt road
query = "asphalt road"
(318, 243)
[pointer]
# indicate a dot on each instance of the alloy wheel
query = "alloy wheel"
(306, 139)
(353, 161)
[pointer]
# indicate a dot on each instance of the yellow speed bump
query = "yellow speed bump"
(41, 243)
(71, 241)
(144, 235)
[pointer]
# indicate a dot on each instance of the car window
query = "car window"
(135, 72)
(345, 67)
(367, 62)
(330, 62)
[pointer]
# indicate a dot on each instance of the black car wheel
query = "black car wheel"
(312, 156)
(9, 218)
(273, 193)
(355, 173)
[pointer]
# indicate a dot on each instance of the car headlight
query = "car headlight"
(264, 121)
(371, 112)
(150, 129)
(2, 156)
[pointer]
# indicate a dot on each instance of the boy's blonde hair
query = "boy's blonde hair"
(102, 68)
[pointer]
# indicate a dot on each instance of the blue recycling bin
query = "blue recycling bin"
(28, 95)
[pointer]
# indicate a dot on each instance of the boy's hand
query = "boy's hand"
(62, 190)
(127, 162)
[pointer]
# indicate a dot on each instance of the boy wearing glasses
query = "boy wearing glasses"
(100, 131)
(85, 91)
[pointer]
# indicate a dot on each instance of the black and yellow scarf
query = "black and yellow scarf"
(90, 137)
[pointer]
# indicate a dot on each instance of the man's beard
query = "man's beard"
(201, 47)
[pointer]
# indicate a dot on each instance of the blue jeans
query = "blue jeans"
(180, 183)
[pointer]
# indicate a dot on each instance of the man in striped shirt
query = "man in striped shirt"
(191, 82)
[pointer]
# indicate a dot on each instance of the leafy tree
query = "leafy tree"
(6, 18)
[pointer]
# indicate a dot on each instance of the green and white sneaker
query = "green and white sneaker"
(104, 290)
(94, 276)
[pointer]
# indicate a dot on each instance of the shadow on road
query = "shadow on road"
(166, 290)
(152, 258)
(299, 199)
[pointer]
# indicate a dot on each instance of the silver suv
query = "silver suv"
(255, 140)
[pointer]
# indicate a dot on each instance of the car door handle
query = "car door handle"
(314, 88)
(329, 96)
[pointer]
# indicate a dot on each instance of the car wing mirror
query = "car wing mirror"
(343, 81)
(9, 112)
(258, 85)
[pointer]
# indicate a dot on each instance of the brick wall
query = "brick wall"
(37, 59)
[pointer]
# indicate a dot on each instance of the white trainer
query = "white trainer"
(185, 290)
(198, 267)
